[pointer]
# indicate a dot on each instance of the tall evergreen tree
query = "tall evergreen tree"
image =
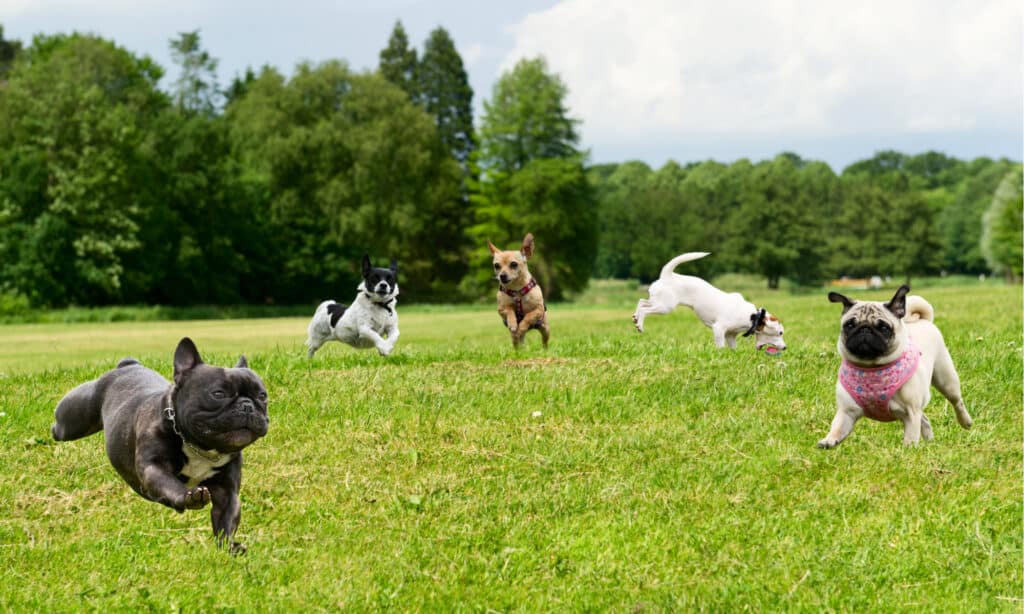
(9, 50)
(445, 93)
(196, 89)
(398, 63)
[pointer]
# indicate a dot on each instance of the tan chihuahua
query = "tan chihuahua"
(520, 300)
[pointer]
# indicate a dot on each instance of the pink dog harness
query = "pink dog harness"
(873, 387)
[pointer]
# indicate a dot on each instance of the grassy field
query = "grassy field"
(615, 471)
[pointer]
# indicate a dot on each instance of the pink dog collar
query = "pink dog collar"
(872, 387)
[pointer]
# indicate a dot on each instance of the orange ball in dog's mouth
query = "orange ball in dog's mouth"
(771, 350)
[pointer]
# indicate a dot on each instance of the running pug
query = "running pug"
(520, 299)
(892, 353)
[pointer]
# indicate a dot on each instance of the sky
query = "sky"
(650, 80)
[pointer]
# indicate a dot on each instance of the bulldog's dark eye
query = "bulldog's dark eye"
(513, 265)
(849, 324)
(262, 396)
(883, 327)
(219, 394)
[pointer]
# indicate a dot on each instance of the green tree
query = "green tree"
(533, 180)
(74, 117)
(348, 165)
(9, 50)
(196, 89)
(398, 63)
(526, 119)
(959, 219)
(444, 92)
(778, 229)
(1002, 237)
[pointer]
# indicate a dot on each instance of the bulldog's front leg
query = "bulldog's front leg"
(227, 508)
(159, 484)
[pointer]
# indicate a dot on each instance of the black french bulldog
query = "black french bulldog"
(179, 445)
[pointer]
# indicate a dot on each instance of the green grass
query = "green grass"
(661, 474)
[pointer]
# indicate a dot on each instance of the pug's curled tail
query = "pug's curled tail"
(671, 265)
(918, 309)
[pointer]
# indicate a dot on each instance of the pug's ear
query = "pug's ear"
(898, 303)
(835, 297)
(242, 362)
(186, 358)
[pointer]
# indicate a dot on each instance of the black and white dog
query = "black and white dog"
(371, 321)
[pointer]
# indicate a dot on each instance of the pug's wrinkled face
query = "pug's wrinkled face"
(871, 330)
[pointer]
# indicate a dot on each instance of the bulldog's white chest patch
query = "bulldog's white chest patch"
(198, 468)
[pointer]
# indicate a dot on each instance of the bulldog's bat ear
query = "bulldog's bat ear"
(186, 358)
(528, 245)
(366, 265)
(242, 362)
(394, 266)
(835, 297)
(898, 303)
(756, 321)
(494, 250)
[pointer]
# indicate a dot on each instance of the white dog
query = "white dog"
(371, 321)
(726, 314)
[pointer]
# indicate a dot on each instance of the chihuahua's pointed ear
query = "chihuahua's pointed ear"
(898, 303)
(242, 362)
(394, 266)
(835, 297)
(366, 265)
(494, 250)
(528, 245)
(186, 358)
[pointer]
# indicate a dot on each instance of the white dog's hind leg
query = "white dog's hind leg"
(313, 346)
(643, 308)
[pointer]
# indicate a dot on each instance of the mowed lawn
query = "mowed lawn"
(615, 471)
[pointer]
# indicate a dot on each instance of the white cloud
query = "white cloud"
(665, 69)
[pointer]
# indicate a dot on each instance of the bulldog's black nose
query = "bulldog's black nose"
(247, 406)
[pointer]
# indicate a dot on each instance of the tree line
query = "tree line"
(269, 190)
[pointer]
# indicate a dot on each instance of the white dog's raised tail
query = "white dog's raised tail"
(671, 265)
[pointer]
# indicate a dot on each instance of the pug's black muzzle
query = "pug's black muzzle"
(866, 342)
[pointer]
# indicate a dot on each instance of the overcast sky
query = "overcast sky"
(650, 79)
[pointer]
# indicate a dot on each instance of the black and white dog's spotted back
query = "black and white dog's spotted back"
(371, 320)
